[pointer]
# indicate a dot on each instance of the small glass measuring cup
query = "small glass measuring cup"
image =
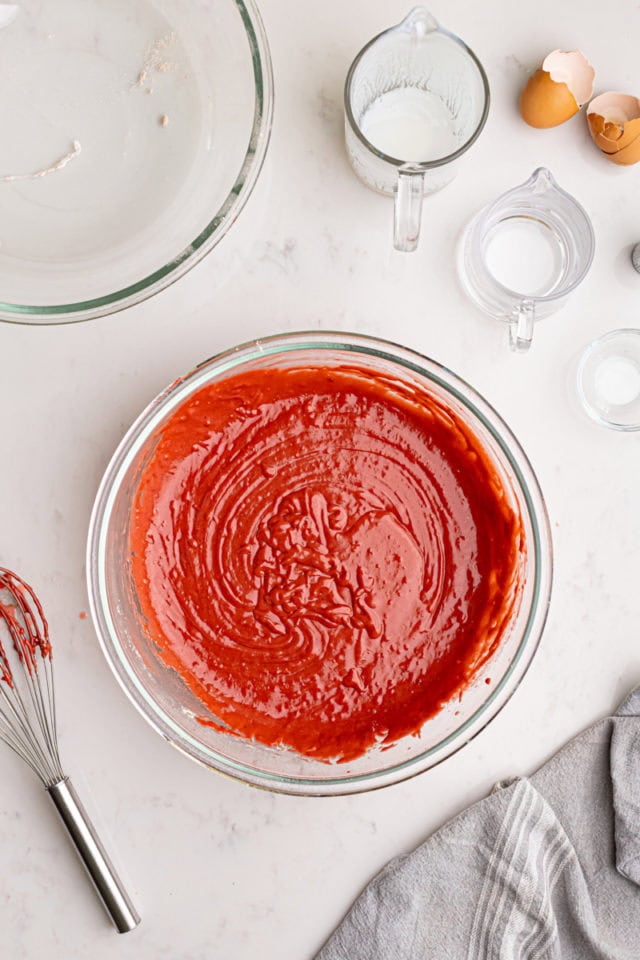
(522, 256)
(416, 98)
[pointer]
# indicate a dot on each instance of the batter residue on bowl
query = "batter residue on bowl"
(325, 555)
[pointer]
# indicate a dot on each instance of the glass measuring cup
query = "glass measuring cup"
(522, 256)
(416, 98)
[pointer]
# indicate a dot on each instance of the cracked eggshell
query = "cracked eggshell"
(614, 125)
(557, 90)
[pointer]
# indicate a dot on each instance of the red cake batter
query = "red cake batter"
(325, 555)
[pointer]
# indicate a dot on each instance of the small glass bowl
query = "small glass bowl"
(608, 380)
(132, 136)
(160, 694)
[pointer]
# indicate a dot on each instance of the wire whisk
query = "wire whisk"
(28, 727)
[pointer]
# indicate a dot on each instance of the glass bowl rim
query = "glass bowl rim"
(280, 345)
(217, 227)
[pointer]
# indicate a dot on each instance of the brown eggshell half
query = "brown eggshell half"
(614, 124)
(545, 103)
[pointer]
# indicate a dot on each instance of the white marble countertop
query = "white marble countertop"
(219, 870)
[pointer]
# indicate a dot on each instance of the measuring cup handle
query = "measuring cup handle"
(408, 210)
(521, 326)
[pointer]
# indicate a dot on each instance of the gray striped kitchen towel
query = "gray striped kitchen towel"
(545, 868)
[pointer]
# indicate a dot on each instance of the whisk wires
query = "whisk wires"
(27, 700)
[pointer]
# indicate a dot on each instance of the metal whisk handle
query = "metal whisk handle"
(93, 855)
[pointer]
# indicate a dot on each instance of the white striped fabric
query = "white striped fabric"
(514, 919)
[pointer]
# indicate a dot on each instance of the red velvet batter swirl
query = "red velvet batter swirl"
(325, 555)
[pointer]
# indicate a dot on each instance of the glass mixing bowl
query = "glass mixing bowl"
(160, 694)
(132, 136)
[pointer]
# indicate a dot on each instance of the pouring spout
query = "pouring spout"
(419, 23)
(542, 180)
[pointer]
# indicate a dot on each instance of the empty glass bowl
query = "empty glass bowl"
(132, 136)
(160, 694)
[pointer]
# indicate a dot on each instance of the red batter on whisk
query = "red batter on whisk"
(28, 727)
(25, 622)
